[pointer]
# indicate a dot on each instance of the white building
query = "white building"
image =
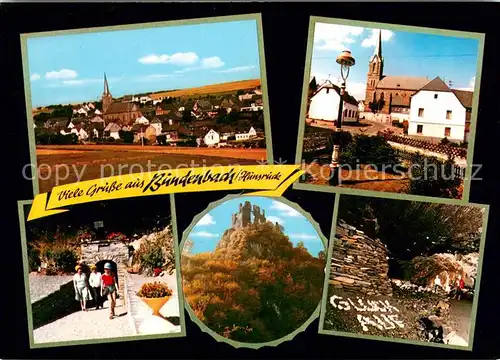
(144, 99)
(211, 138)
(247, 96)
(436, 111)
(142, 120)
(361, 106)
(112, 130)
(82, 134)
(325, 104)
(245, 136)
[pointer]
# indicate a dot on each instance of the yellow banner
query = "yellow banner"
(272, 180)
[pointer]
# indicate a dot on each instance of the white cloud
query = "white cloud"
(275, 219)
(212, 62)
(284, 209)
(35, 77)
(203, 234)
(335, 37)
(356, 89)
(238, 69)
(303, 236)
(61, 74)
(206, 220)
(372, 40)
(471, 85)
(187, 58)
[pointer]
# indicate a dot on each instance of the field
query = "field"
(210, 89)
(59, 165)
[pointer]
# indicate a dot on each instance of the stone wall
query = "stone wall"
(116, 251)
(56, 305)
(359, 264)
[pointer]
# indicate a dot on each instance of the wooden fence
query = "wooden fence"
(426, 145)
(458, 171)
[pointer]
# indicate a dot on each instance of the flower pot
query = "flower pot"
(155, 304)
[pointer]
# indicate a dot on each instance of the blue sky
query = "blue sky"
(208, 231)
(70, 68)
(404, 53)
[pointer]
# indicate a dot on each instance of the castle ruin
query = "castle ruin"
(243, 217)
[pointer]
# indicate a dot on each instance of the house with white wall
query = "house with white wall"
(437, 112)
(82, 134)
(112, 130)
(246, 135)
(211, 138)
(325, 101)
(361, 106)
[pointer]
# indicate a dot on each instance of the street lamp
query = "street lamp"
(345, 60)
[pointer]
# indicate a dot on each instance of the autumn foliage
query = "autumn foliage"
(256, 286)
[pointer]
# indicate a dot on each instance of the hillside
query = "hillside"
(210, 89)
(256, 286)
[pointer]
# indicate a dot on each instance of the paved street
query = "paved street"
(131, 320)
(91, 324)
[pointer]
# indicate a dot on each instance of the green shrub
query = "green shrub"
(33, 258)
(126, 136)
(152, 259)
(156, 253)
(373, 150)
(445, 141)
(430, 176)
(65, 260)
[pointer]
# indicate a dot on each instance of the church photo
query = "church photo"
(387, 104)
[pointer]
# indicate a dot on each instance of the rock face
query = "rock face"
(448, 267)
(244, 215)
(262, 240)
(359, 264)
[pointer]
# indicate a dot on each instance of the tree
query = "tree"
(255, 287)
(430, 176)
(373, 150)
(187, 249)
(187, 116)
(414, 228)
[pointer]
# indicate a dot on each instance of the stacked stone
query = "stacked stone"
(359, 264)
(116, 251)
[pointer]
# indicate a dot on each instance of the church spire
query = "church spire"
(378, 48)
(106, 86)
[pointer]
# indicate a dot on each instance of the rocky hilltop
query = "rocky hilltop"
(262, 240)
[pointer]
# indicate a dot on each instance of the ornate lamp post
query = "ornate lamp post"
(345, 60)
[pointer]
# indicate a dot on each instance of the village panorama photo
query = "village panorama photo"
(407, 117)
(185, 102)
(102, 272)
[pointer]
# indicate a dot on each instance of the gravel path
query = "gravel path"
(92, 324)
(460, 317)
(42, 286)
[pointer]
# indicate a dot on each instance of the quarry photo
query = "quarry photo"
(404, 270)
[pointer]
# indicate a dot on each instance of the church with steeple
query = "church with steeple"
(387, 94)
(121, 113)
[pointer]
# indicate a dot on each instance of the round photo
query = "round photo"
(253, 270)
